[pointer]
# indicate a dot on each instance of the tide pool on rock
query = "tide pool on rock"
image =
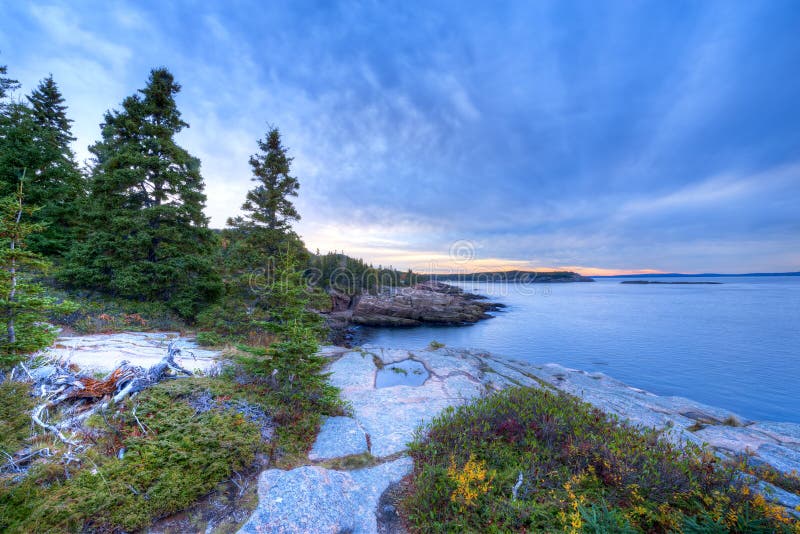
(402, 373)
(390, 415)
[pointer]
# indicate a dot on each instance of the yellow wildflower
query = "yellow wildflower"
(471, 481)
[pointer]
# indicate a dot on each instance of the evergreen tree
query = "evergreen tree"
(256, 241)
(265, 228)
(23, 305)
(37, 138)
(292, 363)
(6, 84)
(57, 185)
(147, 235)
(50, 113)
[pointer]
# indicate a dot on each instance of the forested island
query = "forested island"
(515, 276)
(122, 250)
(656, 282)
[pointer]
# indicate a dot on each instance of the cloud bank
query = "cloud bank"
(615, 137)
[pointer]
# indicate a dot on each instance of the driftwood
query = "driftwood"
(60, 385)
(76, 397)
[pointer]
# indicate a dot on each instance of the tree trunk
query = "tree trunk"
(12, 334)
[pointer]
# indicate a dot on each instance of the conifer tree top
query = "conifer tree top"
(6, 84)
(268, 204)
(49, 110)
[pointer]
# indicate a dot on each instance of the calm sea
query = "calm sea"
(735, 345)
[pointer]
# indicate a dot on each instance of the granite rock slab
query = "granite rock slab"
(313, 499)
(391, 415)
(338, 437)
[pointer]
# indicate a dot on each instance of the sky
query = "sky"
(602, 137)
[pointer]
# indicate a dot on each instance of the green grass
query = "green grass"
(182, 455)
(582, 471)
(184, 452)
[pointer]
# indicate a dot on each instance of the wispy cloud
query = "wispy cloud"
(647, 136)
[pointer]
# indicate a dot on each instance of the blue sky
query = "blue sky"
(601, 136)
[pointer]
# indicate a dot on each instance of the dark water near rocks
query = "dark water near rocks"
(734, 345)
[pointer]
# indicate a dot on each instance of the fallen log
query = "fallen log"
(59, 384)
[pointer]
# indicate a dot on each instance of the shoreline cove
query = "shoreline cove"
(732, 345)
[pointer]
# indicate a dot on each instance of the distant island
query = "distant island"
(528, 277)
(645, 282)
(699, 275)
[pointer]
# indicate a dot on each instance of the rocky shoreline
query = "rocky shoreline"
(425, 303)
(355, 465)
(320, 498)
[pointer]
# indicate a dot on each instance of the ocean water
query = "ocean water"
(735, 345)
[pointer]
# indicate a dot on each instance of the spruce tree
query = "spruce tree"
(147, 236)
(23, 304)
(57, 185)
(37, 137)
(265, 228)
(6, 84)
(256, 240)
(50, 113)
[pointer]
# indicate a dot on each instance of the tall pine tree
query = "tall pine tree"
(254, 242)
(147, 236)
(57, 185)
(37, 137)
(50, 113)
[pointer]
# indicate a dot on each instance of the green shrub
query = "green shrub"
(581, 471)
(97, 313)
(209, 339)
(183, 455)
(297, 393)
(15, 419)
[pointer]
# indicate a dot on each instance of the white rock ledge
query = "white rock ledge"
(103, 352)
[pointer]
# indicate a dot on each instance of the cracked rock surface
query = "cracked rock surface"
(391, 415)
(339, 437)
(312, 499)
(384, 420)
(103, 352)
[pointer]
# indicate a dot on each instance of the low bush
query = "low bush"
(296, 392)
(539, 461)
(209, 339)
(98, 314)
(179, 453)
(15, 420)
